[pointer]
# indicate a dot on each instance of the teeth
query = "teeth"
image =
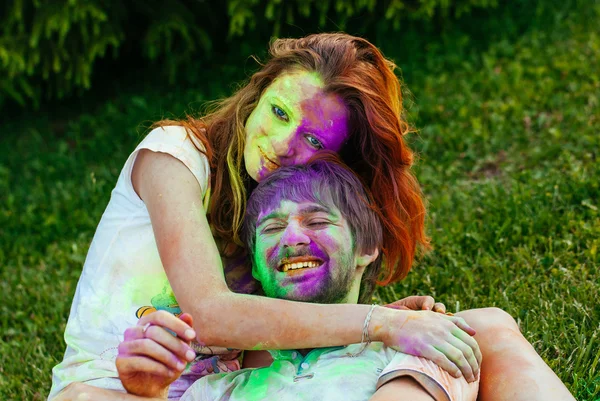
(300, 265)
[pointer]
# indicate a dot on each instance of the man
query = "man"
(313, 237)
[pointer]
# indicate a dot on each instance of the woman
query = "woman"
(169, 237)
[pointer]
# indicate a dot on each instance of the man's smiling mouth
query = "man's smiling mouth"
(298, 263)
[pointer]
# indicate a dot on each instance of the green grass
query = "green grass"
(508, 142)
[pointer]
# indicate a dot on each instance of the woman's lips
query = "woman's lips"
(270, 164)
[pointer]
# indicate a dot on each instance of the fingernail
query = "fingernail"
(190, 355)
(180, 365)
(190, 334)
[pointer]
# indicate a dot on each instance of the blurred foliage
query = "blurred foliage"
(242, 13)
(49, 49)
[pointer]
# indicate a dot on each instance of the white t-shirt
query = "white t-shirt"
(123, 279)
(330, 374)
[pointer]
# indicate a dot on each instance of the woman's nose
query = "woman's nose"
(283, 145)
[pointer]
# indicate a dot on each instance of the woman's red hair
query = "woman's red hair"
(355, 70)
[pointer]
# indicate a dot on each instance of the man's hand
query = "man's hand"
(151, 358)
(418, 302)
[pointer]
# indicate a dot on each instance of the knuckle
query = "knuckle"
(159, 317)
(143, 345)
(456, 356)
(151, 331)
(468, 352)
(440, 360)
(122, 348)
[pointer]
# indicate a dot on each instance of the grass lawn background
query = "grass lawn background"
(509, 145)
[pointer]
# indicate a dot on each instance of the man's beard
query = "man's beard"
(332, 289)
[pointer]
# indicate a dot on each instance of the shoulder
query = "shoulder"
(176, 142)
(167, 134)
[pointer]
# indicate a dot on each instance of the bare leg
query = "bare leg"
(402, 388)
(511, 370)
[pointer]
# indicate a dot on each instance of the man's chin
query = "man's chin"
(289, 296)
(320, 298)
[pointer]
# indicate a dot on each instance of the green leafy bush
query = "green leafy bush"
(49, 49)
(243, 13)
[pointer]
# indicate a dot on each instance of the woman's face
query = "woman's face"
(294, 119)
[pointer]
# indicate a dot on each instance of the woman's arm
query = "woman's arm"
(222, 318)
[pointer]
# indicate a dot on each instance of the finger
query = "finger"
(151, 349)
(472, 343)
(439, 307)
(461, 323)
(468, 354)
(175, 345)
(134, 333)
(440, 359)
(397, 307)
(187, 319)
(427, 302)
(169, 322)
(456, 356)
(141, 364)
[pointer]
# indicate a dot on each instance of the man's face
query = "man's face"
(305, 252)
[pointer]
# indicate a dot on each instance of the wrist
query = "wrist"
(386, 321)
(379, 324)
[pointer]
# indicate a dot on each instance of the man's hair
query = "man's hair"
(326, 181)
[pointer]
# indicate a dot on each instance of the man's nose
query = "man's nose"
(294, 236)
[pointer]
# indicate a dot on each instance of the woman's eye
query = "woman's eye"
(280, 114)
(314, 142)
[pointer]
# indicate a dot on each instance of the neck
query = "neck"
(352, 297)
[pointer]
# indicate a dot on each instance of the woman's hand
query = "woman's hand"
(445, 340)
(151, 358)
(418, 302)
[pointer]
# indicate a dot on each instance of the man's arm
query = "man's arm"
(402, 388)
